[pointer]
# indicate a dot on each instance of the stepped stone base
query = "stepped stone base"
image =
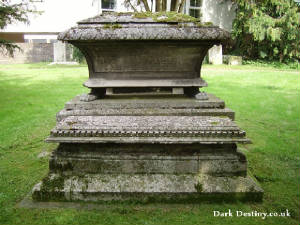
(147, 172)
(146, 188)
(147, 149)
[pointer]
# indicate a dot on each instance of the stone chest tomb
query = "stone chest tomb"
(145, 132)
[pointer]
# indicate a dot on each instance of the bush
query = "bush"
(272, 64)
(78, 56)
(267, 29)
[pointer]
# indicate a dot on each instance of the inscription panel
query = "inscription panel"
(145, 60)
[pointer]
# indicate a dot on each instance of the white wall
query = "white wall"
(58, 15)
(220, 13)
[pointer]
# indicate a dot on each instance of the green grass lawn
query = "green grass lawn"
(267, 105)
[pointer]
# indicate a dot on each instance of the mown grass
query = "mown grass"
(267, 105)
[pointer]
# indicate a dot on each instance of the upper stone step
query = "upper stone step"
(137, 101)
(139, 104)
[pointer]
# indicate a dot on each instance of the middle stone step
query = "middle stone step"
(80, 159)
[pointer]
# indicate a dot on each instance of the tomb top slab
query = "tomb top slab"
(116, 26)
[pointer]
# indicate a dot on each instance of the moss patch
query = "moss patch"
(198, 187)
(50, 189)
(53, 183)
(163, 17)
(112, 26)
(166, 17)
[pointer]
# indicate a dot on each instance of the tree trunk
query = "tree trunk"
(164, 5)
(173, 5)
(180, 8)
(134, 9)
(157, 5)
(176, 5)
(146, 5)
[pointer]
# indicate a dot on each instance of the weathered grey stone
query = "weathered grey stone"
(154, 136)
(201, 96)
(146, 188)
(142, 52)
(178, 91)
(148, 159)
(146, 111)
(144, 64)
(131, 28)
(139, 31)
(31, 53)
(43, 154)
(222, 164)
(232, 59)
(215, 55)
(141, 102)
(165, 82)
(153, 105)
(109, 91)
(237, 184)
(88, 97)
(147, 129)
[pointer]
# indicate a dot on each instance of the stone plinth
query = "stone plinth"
(167, 154)
(145, 132)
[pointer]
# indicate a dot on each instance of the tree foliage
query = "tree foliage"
(267, 29)
(11, 12)
(77, 55)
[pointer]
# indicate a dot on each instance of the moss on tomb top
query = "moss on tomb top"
(142, 17)
(166, 17)
(143, 26)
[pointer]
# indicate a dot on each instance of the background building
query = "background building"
(39, 43)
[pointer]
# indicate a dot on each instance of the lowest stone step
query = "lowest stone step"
(146, 188)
